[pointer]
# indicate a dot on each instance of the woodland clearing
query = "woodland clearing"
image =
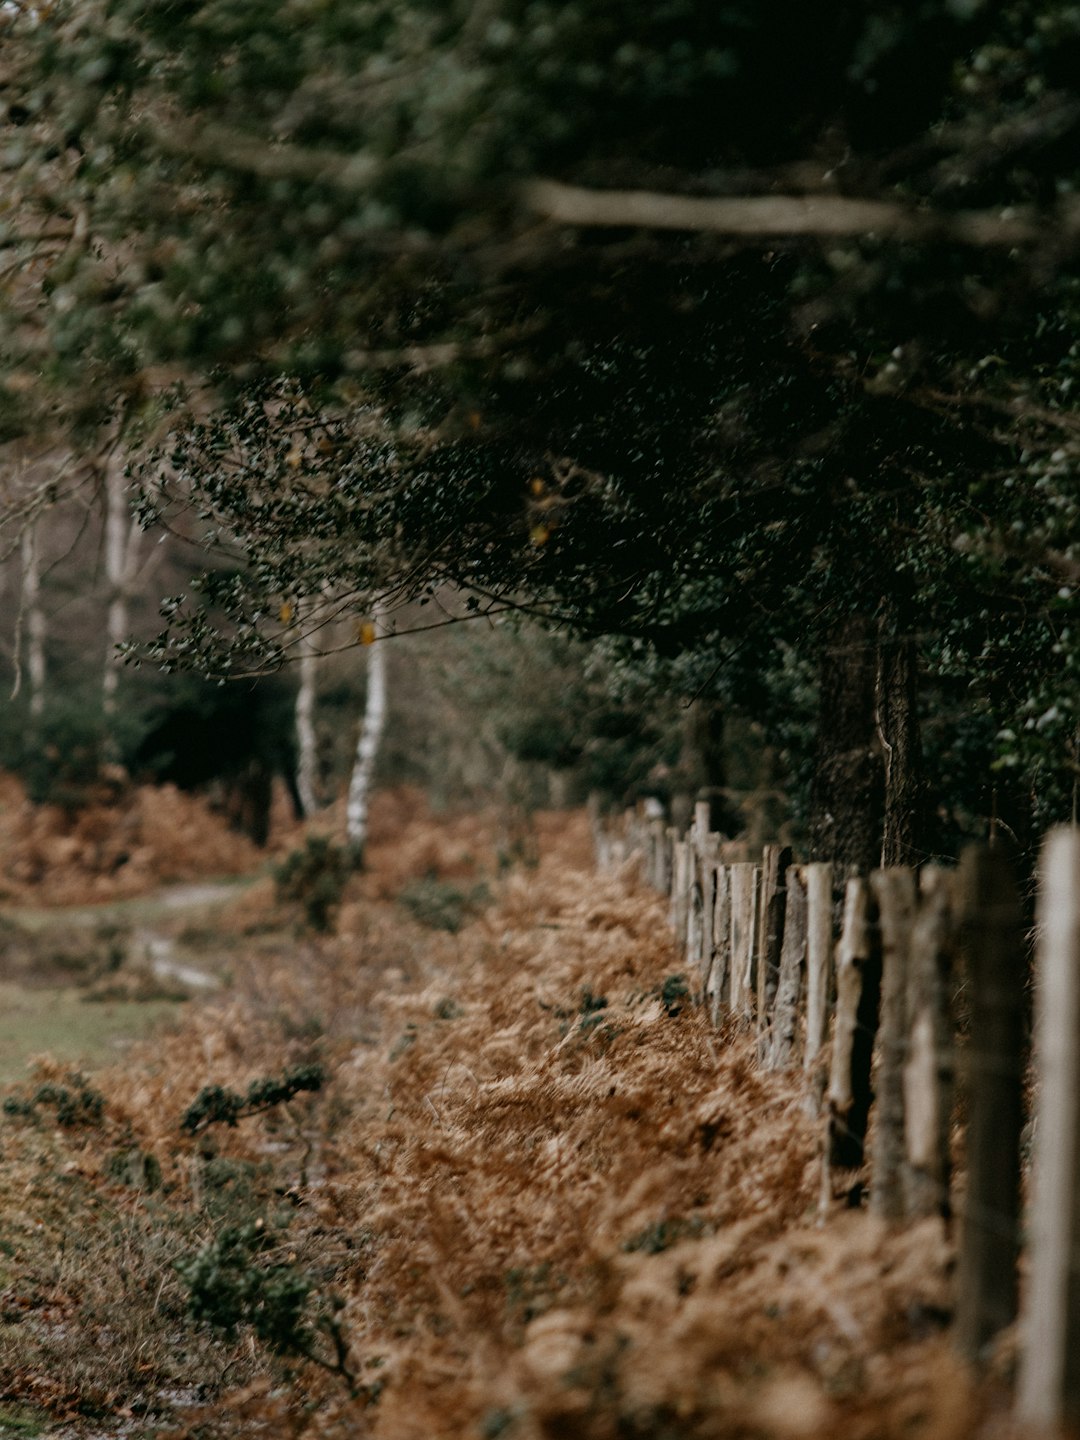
(534, 1193)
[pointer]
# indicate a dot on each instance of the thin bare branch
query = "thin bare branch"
(815, 216)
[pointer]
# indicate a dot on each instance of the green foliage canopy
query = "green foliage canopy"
(765, 432)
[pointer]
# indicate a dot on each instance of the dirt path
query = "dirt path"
(84, 982)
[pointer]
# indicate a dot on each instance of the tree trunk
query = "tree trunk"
(367, 748)
(702, 769)
(306, 745)
(123, 535)
(34, 617)
(847, 795)
(898, 732)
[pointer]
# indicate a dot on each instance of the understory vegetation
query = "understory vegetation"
(409, 1180)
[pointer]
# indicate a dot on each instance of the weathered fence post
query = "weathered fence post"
(789, 985)
(695, 912)
(775, 860)
(680, 890)
(858, 986)
(819, 949)
(705, 942)
(894, 890)
(928, 1074)
(702, 815)
(743, 887)
(990, 1242)
(1050, 1355)
(654, 831)
(718, 983)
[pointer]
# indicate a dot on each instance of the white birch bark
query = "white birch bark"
(367, 747)
(123, 535)
(306, 748)
(33, 617)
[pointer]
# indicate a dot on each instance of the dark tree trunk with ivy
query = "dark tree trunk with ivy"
(847, 796)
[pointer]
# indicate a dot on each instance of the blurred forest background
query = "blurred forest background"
(713, 367)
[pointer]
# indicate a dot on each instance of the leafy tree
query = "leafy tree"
(720, 286)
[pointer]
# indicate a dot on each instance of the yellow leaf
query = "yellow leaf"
(536, 485)
(539, 534)
(294, 457)
(285, 614)
(366, 633)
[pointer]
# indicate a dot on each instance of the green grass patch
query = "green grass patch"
(62, 1024)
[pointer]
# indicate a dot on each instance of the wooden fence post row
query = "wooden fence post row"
(759, 938)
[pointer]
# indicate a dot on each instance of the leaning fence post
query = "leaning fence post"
(894, 890)
(1050, 1342)
(989, 1243)
(819, 947)
(858, 986)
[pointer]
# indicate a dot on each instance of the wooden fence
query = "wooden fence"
(894, 993)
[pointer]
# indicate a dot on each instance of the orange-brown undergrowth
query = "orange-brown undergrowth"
(555, 1202)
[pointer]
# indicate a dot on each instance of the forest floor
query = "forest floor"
(534, 1194)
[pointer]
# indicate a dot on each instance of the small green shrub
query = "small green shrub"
(442, 906)
(60, 754)
(235, 1281)
(315, 878)
(216, 1105)
(76, 1103)
(673, 993)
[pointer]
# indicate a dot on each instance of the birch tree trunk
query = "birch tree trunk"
(306, 746)
(34, 618)
(123, 535)
(367, 747)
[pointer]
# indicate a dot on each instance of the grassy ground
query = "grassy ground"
(62, 1023)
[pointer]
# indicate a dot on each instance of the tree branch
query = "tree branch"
(817, 216)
